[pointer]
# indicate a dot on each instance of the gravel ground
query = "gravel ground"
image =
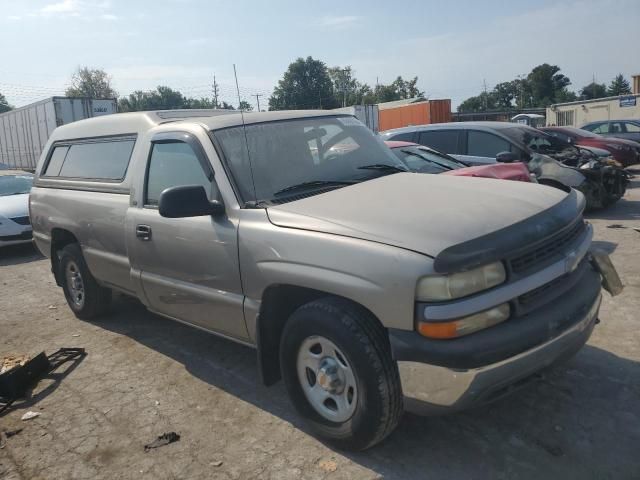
(145, 375)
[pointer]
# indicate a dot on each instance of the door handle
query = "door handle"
(143, 232)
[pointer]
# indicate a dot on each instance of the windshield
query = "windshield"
(535, 140)
(312, 154)
(424, 160)
(581, 133)
(15, 184)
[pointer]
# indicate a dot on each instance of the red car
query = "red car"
(627, 152)
(421, 159)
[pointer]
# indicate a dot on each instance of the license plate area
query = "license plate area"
(610, 279)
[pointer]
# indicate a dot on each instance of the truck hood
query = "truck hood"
(423, 213)
(14, 205)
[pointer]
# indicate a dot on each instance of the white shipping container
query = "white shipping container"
(25, 130)
(367, 114)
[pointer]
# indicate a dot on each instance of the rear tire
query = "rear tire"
(339, 373)
(86, 298)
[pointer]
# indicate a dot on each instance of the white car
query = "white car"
(15, 226)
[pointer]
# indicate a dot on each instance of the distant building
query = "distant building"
(413, 111)
(576, 114)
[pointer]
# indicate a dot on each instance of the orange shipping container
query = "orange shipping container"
(420, 113)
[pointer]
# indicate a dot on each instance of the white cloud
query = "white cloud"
(339, 21)
(14, 18)
(86, 9)
(200, 41)
(66, 6)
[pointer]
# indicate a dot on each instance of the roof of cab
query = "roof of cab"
(136, 122)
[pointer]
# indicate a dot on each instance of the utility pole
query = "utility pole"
(215, 92)
(594, 85)
(484, 83)
(521, 77)
(258, 95)
(344, 87)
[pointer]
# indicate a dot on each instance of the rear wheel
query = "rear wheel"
(337, 367)
(86, 298)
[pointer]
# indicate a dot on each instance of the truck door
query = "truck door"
(188, 267)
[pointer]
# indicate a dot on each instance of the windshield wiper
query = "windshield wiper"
(383, 167)
(311, 184)
(443, 165)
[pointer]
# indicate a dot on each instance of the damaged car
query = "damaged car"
(553, 162)
(421, 159)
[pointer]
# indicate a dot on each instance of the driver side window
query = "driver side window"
(171, 165)
(483, 144)
(602, 128)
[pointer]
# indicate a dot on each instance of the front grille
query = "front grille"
(540, 292)
(547, 249)
(21, 220)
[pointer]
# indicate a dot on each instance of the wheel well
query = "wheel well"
(278, 303)
(60, 238)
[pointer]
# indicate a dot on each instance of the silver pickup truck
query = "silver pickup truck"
(366, 288)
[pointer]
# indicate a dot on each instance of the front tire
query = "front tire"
(337, 367)
(86, 298)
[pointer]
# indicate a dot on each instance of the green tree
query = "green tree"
(565, 95)
(506, 94)
(619, 86)
(481, 103)
(545, 83)
(407, 88)
(305, 84)
(136, 102)
(593, 90)
(245, 106)
(348, 89)
(4, 104)
(92, 83)
(226, 106)
(162, 98)
(196, 103)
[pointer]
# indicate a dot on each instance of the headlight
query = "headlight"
(437, 288)
(466, 325)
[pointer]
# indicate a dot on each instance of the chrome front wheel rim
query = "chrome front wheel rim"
(75, 284)
(327, 379)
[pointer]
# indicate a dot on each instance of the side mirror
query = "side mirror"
(506, 157)
(188, 201)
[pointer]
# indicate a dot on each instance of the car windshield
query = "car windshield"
(535, 140)
(424, 160)
(580, 133)
(15, 184)
(281, 160)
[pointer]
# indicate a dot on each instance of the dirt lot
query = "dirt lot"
(145, 375)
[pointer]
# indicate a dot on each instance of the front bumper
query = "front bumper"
(26, 236)
(430, 389)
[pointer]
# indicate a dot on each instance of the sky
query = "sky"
(454, 47)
